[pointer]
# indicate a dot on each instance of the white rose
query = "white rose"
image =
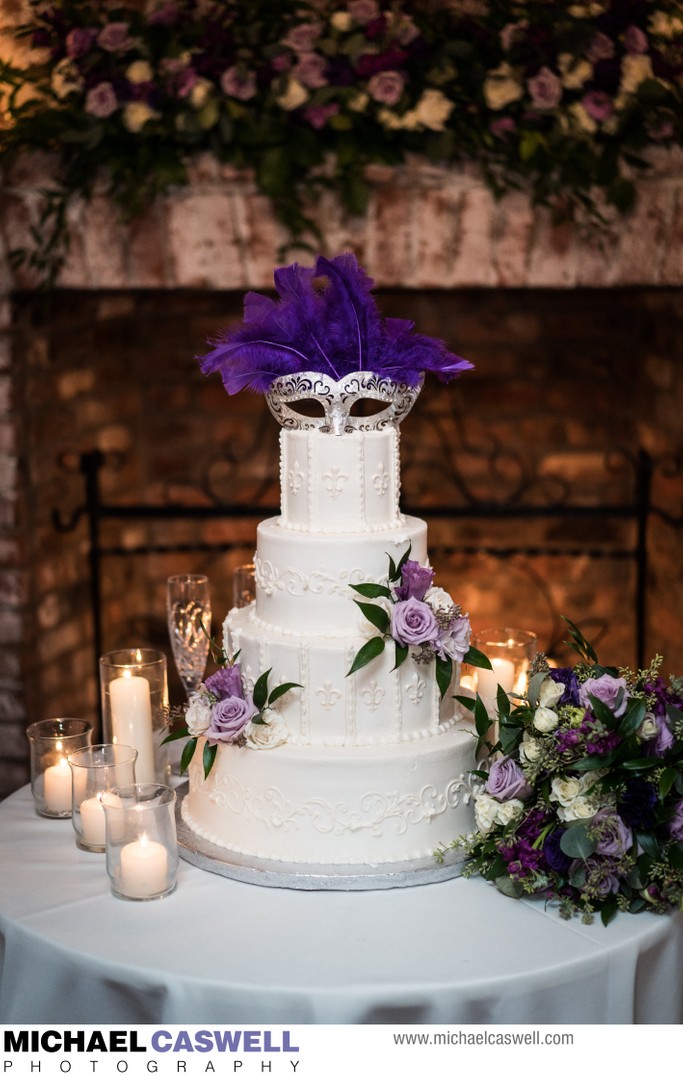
(574, 73)
(359, 102)
(266, 734)
(565, 790)
(485, 811)
(648, 728)
(294, 96)
(580, 808)
(198, 714)
(664, 25)
(65, 79)
(529, 749)
(502, 86)
(550, 692)
(200, 93)
(136, 114)
(634, 70)
(508, 811)
(139, 71)
(341, 20)
(545, 720)
(433, 109)
(581, 118)
(439, 601)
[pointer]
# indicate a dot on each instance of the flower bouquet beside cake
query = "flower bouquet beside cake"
(583, 802)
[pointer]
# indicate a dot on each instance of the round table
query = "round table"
(220, 950)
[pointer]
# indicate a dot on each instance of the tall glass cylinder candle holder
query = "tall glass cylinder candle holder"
(51, 742)
(510, 651)
(134, 688)
(142, 845)
(243, 585)
(95, 770)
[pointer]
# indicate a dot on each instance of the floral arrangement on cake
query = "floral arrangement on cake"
(583, 802)
(419, 619)
(560, 100)
(223, 710)
(325, 320)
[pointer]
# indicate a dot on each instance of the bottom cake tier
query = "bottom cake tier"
(366, 806)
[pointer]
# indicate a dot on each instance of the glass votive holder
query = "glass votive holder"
(51, 742)
(243, 586)
(134, 693)
(95, 770)
(510, 651)
(141, 840)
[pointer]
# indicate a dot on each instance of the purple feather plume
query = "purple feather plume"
(335, 329)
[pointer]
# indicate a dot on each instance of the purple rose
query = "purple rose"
(114, 37)
(238, 83)
(676, 822)
(228, 718)
(226, 682)
(415, 581)
(318, 115)
(613, 837)
(545, 89)
(598, 877)
(101, 100)
(79, 41)
(507, 780)
(601, 48)
(413, 623)
(598, 105)
(635, 41)
(611, 691)
(386, 87)
(310, 70)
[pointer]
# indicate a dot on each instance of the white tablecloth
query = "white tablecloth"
(224, 951)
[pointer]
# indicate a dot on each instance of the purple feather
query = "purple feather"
(334, 329)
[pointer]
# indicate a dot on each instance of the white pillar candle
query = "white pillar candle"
(93, 822)
(502, 673)
(57, 789)
(144, 868)
(131, 722)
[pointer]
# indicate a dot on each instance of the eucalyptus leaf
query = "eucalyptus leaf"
(535, 683)
(510, 887)
(368, 651)
(576, 841)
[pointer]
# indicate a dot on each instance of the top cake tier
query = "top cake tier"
(333, 485)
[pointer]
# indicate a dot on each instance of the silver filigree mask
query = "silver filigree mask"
(337, 398)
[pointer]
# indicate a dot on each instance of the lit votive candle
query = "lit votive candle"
(131, 719)
(502, 673)
(93, 821)
(58, 786)
(144, 868)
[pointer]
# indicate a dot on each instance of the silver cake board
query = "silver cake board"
(247, 869)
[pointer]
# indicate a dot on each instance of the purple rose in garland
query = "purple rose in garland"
(507, 780)
(676, 822)
(228, 718)
(612, 691)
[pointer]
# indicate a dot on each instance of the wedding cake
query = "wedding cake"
(332, 737)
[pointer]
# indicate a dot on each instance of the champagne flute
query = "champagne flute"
(188, 609)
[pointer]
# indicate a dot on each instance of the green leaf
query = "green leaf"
(376, 615)
(184, 732)
(477, 658)
(368, 651)
(403, 560)
(209, 757)
(608, 911)
(371, 590)
(649, 844)
(502, 704)
(535, 683)
(444, 672)
(666, 781)
(482, 721)
(188, 752)
(510, 887)
(675, 856)
(401, 654)
(579, 642)
(281, 689)
(633, 717)
(576, 842)
(466, 701)
(260, 695)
